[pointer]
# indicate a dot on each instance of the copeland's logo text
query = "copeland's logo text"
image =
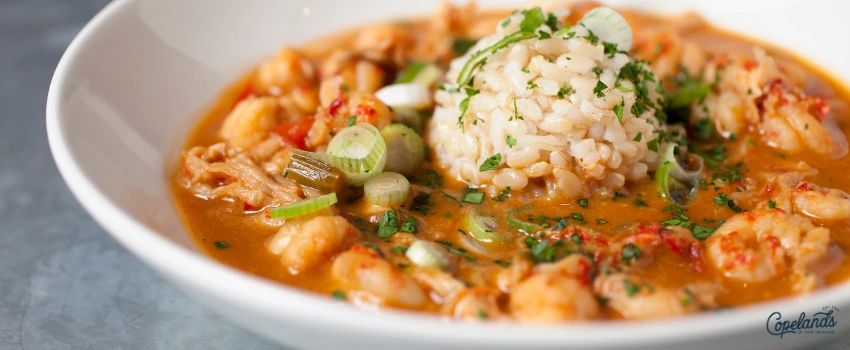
(820, 322)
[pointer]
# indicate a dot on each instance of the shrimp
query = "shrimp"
(370, 279)
(760, 245)
(636, 298)
(476, 303)
(250, 122)
(821, 203)
(288, 69)
(790, 192)
(305, 243)
(644, 241)
(556, 292)
(338, 105)
(759, 93)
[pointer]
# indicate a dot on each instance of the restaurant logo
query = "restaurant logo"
(820, 322)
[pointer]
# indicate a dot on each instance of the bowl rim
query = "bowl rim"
(277, 300)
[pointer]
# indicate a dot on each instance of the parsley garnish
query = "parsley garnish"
(703, 128)
(338, 295)
(421, 203)
(474, 197)
(601, 221)
(388, 225)
(618, 109)
(640, 203)
(351, 120)
(222, 244)
(491, 163)
(630, 251)
(599, 87)
(631, 289)
(564, 91)
(501, 196)
(638, 137)
(409, 225)
(457, 251)
(503, 263)
(771, 204)
(510, 141)
(582, 203)
(577, 217)
(399, 249)
(723, 199)
(516, 114)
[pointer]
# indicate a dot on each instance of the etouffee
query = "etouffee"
(549, 165)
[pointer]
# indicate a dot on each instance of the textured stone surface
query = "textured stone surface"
(64, 283)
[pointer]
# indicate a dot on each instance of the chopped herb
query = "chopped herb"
(501, 196)
(806, 127)
(491, 163)
(601, 221)
(543, 35)
(503, 263)
(457, 251)
(619, 195)
(421, 203)
(409, 225)
(510, 141)
(564, 91)
(525, 70)
(505, 22)
(771, 204)
(751, 143)
(530, 85)
(702, 232)
(534, 18)
(582, 203)
(338, 295)
(640, 203)
(399, 249)
(577, 217)
(473, 197)
(540, 251)
(599, 87)
(723, 199)
(631, 289)
(351, 120)
(462, 45)
(402, 265)
(388, 225)
(516, 114)
(431, 179)
(703, 128)
(464, 105)
(373, 247)
(552, 22)
(618, 110)
(562, 224)
(452, 198)
(481, 314)
(358, 222)
(624, 89)
(597, 70)
(222, 244)
(630, 251)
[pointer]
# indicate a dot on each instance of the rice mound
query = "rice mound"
(576, 145)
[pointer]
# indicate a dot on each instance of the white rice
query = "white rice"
(576, 145)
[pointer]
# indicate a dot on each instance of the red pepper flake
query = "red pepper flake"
(804, 186)
(819, 107)
(750, 65)
(247, 206)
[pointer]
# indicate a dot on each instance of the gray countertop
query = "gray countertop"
(64, 283)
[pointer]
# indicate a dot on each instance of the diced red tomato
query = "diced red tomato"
(294, 133)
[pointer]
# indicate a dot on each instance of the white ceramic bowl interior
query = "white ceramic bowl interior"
(141, 73)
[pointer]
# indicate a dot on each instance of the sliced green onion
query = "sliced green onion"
(407, 95)
(609, 26)
(479, 57)
(405, 148)
(422, 73)
(518, 224)
(387, 189)
(483, 228)
(427, 254)
(359, 151)
(413, 118)
(302, 207)
(309, 171)
(677, 184)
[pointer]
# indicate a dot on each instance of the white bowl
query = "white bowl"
(142, 71)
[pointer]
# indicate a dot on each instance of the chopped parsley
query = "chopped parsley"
(505, 191)
(599, 87)
(638, 137)
(388, 225)
(630, 288)
(516, 114)
(222, 244)
(601, 221)
(703, 128)
(530, 85)
(771, 204)
(338, 295)
(491, 163)
(640, 203)
(502, 263)
(510, 141)
(597, 70)
(350, 121)
(462, 45)
(525, 70)
(421, 203)
(583, 202)
(474, 197)
(723, 199)
(358, 222)
(618, 110)
(577, 217)
(457, 251)
(564, 91)
(630, 251)
(409, 225)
